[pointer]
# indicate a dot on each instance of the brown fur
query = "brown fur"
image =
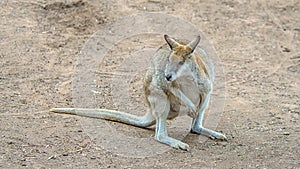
(182, 51)
(201, 65)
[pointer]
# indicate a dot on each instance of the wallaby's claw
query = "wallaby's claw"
(192, 114)
(182, 146)
(173, 143)
(218, 136)
(185, 147)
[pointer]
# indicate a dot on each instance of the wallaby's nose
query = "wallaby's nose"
(168, 77)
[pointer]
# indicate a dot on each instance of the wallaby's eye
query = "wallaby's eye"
(181, 63)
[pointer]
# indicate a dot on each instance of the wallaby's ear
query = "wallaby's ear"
(193, 44)
(171, 42)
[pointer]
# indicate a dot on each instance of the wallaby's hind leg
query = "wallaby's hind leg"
(162, 136)
(160, 107)
(197, 126)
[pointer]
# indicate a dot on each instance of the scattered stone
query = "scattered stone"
(285, 49)
(65, 154)
(51, 157)
(286, 133)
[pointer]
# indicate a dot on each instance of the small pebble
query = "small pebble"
(51, 157)
(65, 154)
(286, 133)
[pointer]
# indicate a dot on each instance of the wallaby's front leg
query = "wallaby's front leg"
(180, 95)
(197, 126)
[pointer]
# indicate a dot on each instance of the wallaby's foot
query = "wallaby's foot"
(209, 133)
(173, 143)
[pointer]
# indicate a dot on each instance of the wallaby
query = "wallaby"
(181, 74)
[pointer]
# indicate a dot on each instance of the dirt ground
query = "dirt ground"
(258, 43)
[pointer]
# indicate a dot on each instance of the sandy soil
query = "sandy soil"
(258, 43)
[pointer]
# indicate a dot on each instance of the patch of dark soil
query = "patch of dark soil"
(76, 16)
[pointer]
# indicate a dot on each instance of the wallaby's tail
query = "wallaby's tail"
(140, 121)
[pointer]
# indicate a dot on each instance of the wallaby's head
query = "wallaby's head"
(179, 57)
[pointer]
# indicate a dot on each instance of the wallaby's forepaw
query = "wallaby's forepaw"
(192, 111)
(192, 114)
